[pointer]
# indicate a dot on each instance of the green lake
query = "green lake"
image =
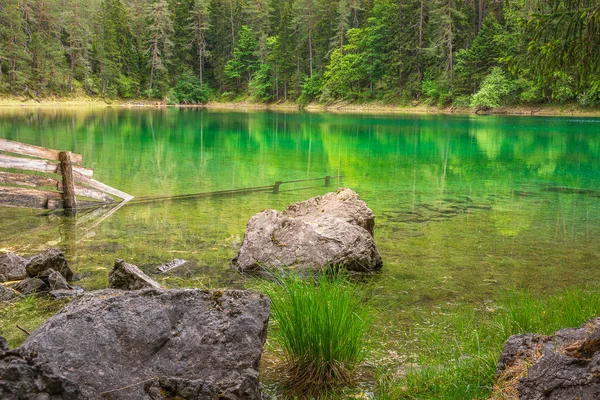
(466, 206)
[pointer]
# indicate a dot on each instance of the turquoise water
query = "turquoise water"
(466, 206)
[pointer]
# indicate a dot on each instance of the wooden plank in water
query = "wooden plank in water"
(66, 169)
(27, 180)
(30, 164)
(30, 198)
(90, 193)
(101, 186)
(35, 151)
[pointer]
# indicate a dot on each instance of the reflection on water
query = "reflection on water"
(465, 205)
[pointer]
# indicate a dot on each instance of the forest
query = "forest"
(477, 53)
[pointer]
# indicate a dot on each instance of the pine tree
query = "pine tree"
(160, 28)
(199, 26)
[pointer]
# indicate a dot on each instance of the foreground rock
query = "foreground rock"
(24, 377)
(12, 267)
(151, 343)
(49, 259)
(126, 276)
(563, 366)
(330, 230)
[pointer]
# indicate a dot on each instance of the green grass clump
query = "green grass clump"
(320, 325)
(457, 351)
(28, 313)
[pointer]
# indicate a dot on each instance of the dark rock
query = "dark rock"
(142, 344)
(126, 276)
(49, 259)
(7, 293)
(31, 286)
(23, 377)
(12, 267)
(563, 366)
(331, 230)
(56, 281)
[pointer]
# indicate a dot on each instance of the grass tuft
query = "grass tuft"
(320, 325)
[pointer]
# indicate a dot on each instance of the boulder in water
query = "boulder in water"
(331, 230)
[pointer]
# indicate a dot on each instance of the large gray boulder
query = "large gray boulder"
(49, 259)
(126, 276)
(12, 267)
(22, 376)
(331, 230)
(148, 343)
(562, 366)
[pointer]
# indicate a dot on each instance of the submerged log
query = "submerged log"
(31, 198)
(27, 180)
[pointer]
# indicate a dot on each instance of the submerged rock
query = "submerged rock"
(23, 377)
(153, 342)
(126, 276)
(7, 293)
(562, 366)
(32, 286)
(330, 230)
(49, 259)
(12, 267)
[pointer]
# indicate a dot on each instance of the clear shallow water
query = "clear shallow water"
(466, 206)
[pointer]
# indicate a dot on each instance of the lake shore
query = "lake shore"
(339, 107)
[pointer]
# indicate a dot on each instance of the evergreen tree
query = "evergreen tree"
(160, 29)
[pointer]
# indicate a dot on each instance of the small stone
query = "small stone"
(7, 293)
(12, 267)
(31, 286)
(126, 276)
(56, 281)
(49, 259)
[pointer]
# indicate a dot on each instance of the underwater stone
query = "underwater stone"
(126, 276)
(7, 293)
(12, 267)
(49, 259)
(331, 230)
(32, 286)
(183, 342)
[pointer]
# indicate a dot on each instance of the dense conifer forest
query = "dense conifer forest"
(479, 53)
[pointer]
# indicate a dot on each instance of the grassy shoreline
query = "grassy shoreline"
(564, 110)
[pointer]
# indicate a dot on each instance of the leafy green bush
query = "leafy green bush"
(320, 325)
(494, 89)
(188, 91)
(311, 88)
(261, 85)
